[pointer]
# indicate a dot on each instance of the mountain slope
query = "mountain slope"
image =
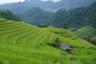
(37, 16)
(48, 5)
(76, 18)
(17, 8)
(6, 14)
(22, 43)
(86, 32)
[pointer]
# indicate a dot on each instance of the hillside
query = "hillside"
(94, 39)
(48, 5)
(73, 18)
(22, 43)
(37, 16)
(86, 32)
(76, 18)
(6, 14)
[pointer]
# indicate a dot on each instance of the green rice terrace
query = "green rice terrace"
(22, 43)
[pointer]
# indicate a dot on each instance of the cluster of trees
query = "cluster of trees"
(6, 14)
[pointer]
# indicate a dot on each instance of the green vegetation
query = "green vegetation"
(75, 18)
(6, 14)
(37, 16)
(22, 43)
(86, 32)
(94, 39)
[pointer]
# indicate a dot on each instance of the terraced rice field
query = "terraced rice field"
(21, 43)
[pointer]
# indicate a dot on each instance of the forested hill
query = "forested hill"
(76, 18)
(48, 5)
(6, 14)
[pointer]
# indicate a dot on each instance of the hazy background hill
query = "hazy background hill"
(48, 5)
(37, 16)
(81, 12)
(40, 12)
(73, 18)
(76, 18)
(70, 13)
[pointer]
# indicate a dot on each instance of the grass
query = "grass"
(86, 32)
(22, 43)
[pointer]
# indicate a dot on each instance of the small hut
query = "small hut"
(63, 46)
(51, 26)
